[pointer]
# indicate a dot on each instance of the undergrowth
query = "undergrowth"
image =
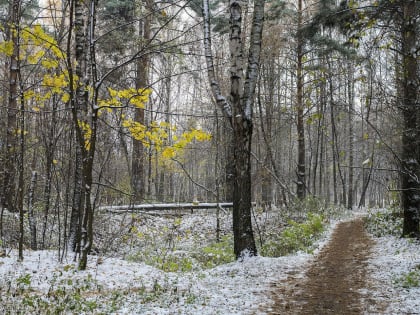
(296, 237)
(175, 260)
(384, 222)
(216, 253)
(67, 295)
(279, 233)
(408, 280)
(176, 245)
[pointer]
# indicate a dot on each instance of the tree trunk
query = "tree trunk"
(80, 109)
(242, 227)
(410, 137)
(301, 164)
(31, 216)
(21, 170)
(47, 190)
(77, 204)
(350, 92)
(88, 151)
(333, 136)
(229, 181)
(239, 110)
(11, 142)
(142, 69)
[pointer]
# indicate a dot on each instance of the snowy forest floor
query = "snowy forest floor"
(354, 273)
(336, 282)
(348, 271)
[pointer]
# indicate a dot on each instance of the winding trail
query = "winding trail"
(337, 282)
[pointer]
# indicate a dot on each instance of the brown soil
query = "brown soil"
(337, 281)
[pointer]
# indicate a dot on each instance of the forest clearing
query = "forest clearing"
(171, 265)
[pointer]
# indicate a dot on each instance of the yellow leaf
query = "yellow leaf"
(168, 153)
(87, 133)
(50, 63)
(6, 48)
(65, 98)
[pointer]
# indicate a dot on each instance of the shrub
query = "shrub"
(64, 296)
(172, 263)
(384, 222)
(217, 253)
(296, 237)
(299, 209)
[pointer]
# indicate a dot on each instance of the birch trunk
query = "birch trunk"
(79, 109)
(88, 153)
(238, 109)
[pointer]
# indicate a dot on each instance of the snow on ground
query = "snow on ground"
(391, 263)
(117, 286)
(233, 288)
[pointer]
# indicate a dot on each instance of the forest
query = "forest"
(197, 156)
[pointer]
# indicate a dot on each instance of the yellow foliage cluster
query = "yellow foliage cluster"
(36, 38)
(39, 48)
(158, 133)
(53, 84)
(130, 96)
(186, 138)
(87, 133)
(6, 48)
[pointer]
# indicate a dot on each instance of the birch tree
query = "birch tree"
(79, 12)
(238, 108)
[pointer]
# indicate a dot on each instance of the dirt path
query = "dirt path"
(337, 280)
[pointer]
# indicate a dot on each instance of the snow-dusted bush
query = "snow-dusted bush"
(296, 237)
(216, 253)
(384, 222)
(64, 296)
(299, 209)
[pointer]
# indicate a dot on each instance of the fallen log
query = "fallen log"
(167, 206)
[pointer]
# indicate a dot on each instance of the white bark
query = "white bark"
(221, 100)
(253, 58)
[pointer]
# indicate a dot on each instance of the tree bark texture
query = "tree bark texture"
(31, 215)
(411, 133)
(10, 169)
(88, 152)
(350, 92)
(142, 70)
(301, 163)
(80, 109)
(238, 108)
